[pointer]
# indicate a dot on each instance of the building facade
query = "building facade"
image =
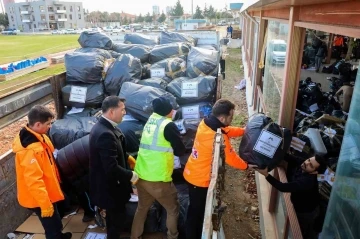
(156, 10)
(45, 15)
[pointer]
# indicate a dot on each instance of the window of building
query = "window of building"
(20, 9)
(64, 8)
(50, 9)
(34, 25)
(65, 16)
(70, 16)
(78, 8)
(79, 16)
(43, 17)
(12, 18)
(42, 8)
(33, 17)
(343, 215)
(52, 17)
(58, 8)
(274, 67)
(71, 9)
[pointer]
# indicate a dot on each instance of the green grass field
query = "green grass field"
(21, 47)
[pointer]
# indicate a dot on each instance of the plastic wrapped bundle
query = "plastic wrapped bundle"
(87, 112)
(140, 51)
(154, 82)
(171, 37)
(114, 54)
(161, 52)
(95, 40)
(202, 62)
(189, 91)
(188, 129)
(94, 95)
(132, 130)
(139, 99)
(264, 142)
(174, 67)
(136, 38)
(65, 131)
(124, 69)
(84, 67)
(104, 53)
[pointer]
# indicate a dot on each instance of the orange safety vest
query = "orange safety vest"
(37, 176)
(198, 168)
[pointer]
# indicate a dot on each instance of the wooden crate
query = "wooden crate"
(24, 71)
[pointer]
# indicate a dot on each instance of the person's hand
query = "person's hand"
(134, 178)
(131, 162)
(263, 171)
(48, 212)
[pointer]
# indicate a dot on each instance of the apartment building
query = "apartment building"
(45, 15)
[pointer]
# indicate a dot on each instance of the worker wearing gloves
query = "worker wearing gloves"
(159, 143)
(110, 173)
(197, 170)
(37, 177)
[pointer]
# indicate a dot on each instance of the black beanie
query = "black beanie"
(162, 106)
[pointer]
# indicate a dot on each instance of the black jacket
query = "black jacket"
(110, 173)
(172, 134)
(302, 186)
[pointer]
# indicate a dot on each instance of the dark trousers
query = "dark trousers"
(115, 219)
(84, 202)
(318, 62)
(196, 210)
(307, 223)
(52, 225)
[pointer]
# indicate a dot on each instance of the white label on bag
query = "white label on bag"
(189, 89)
(314, 107)
(267, 143)
(191, 112)
(180, 125)
(95, 235)
(78, 94)
(157, 72)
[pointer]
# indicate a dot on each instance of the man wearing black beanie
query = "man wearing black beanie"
(159, 143)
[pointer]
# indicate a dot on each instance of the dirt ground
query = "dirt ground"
(241, 218)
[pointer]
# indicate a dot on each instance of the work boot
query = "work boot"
(66, 235)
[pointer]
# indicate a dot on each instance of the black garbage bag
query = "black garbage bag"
(202, 109)
(132, 130)
(211, 47)
(308, 122)
(162, 52)
(202, 62)
(183, 196)
(188, 129)
(95, 40)
(171, 37)
(139, 99)
(73, 160)
(154, 82)
(264, 142)
(136, 38)
(152, 218)
(139, 51)
(332, 141)
(178, 175)
(174, 67)
(125, 68)
(104, 53)
(94, 95)
(146, 71)
(65, 131)
(84, 67)
(306, 151)
(187, 90)
(339, 114)
(114, 54)
(87, 112)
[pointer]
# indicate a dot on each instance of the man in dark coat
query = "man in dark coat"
(110, 174)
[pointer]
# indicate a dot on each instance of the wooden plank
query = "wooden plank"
(340, 30)
(282, 13)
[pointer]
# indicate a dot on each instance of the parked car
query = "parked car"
(145, 29)
(57, 32)
(69, 31)
(117, 31)
(162, 28)
(126, 27)
(10, 31)
(278, 51)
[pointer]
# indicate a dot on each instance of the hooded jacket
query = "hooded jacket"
(38, 182)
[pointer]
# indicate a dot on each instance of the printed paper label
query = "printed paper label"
(267, 143)
(314, 107)
(191, 112)
(157, 72)
(78, 94)
(189, 89)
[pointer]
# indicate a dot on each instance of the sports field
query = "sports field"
(20, 47)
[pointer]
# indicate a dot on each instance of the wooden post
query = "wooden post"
(294, 52)
(329, 47)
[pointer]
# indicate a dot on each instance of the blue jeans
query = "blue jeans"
(52, 225)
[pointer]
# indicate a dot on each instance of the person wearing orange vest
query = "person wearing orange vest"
(197, 170)
(37, 177)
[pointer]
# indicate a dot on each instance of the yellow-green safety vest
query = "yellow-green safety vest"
(155, 160)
